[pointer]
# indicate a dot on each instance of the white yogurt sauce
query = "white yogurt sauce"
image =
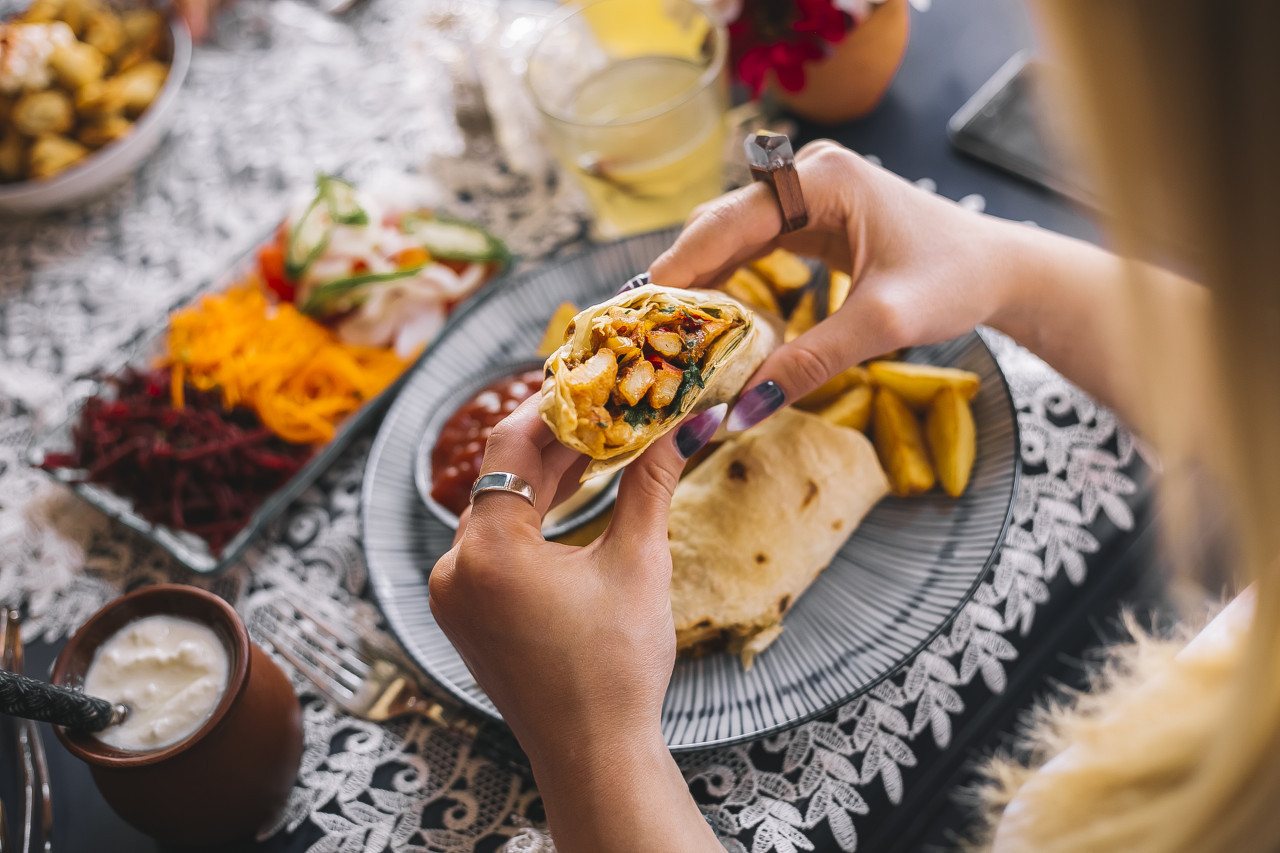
(171, 672)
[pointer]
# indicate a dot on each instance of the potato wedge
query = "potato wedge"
(851, 409)
(918, 384)
(747, 286)
(900, 445)
(557, 327)
(953, 440)
(829, 391)
(837, 291)
(783, 270)
(802, 318)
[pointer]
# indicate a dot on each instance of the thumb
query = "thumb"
(863, 328)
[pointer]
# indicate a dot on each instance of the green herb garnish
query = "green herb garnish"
(692, 376)
(640, 414)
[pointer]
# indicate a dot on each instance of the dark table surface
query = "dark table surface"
(954, 48)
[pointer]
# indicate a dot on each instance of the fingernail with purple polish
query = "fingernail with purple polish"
(756, 405)
(697, 431)
(638, 281)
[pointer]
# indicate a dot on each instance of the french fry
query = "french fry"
(837, 291)
(802, 318)
(918, 384)
(553, 337)
(953, 440)
(900, 445)
(747, 286)
(851, 409)
(783, 270)
(828, 391)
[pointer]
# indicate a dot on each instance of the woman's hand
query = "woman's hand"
(575, 646)
(922, 267)
(926, 270)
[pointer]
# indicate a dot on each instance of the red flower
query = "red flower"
(781, 37)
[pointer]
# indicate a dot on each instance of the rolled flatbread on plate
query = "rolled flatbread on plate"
(757, 521)
(632, 367)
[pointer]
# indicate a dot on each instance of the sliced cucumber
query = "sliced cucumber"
(307, 240)
(341, 198)
(327, 297)
(454, 239)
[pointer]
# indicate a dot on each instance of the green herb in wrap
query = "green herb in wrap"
(633, 367)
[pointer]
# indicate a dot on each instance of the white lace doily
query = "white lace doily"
(285, 91)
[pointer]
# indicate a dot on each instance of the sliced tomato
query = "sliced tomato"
(271, 262)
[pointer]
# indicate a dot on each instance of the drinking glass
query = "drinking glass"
(634, 96)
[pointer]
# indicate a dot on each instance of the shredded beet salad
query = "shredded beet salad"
(199, 468)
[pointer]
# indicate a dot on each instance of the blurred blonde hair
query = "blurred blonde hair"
(1180, 104)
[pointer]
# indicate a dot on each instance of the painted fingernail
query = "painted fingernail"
(756, 405)
(639, 281)
(697, 431)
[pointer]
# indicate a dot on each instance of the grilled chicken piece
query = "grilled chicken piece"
(705, 335)
(594, 378)
(666, 382)
(668, 344)
(636, 382)
(593, 424)
(619, 433)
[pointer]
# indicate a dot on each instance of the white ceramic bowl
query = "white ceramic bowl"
(111, 164)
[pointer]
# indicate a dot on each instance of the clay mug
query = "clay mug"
(229, 778)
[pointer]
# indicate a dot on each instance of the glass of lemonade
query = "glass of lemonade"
(634, 94)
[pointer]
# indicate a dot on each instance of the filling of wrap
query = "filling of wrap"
(641, 365)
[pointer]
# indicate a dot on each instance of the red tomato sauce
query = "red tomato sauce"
(456, 458)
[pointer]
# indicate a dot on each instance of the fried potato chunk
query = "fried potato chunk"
(900, 445)
(851, 409)
(748, 286)
(666, 382)
(953, 440)
(636, 381)
(783, 269)
(104, 131)
(803, 317)
(594, 378)
(97, 99)
(829, 391)
(42, 11)
(105, 32)
(918, 384)
(838, 288)
(38, 113)
(51, 154)
(557, 329)
(77, 64)
(140, 85)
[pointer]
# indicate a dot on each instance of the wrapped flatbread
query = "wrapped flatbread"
(755, 523)
(631, 368)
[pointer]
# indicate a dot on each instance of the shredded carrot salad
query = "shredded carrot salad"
(292, 371)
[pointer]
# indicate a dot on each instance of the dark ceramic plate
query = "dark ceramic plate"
(910, 566)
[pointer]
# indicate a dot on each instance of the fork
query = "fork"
(360, 673)
(35, 765)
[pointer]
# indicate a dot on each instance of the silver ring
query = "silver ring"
(501, 481)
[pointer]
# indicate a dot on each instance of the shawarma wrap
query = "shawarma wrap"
(757, 521)
(631, 368)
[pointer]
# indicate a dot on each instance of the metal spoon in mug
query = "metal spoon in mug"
(25, 697)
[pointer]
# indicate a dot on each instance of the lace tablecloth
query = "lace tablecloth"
(285, 91)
